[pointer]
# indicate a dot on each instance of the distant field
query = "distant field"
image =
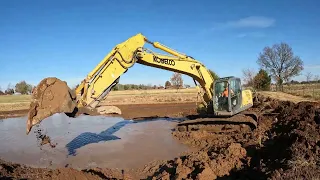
(15, 102)
(305, 90)
(152, 91)
(284, 96)
(15, 98)
(27, 98)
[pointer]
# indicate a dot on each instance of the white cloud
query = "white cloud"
(252, 22)
(251, 34)
(242, 35)
(247, 22)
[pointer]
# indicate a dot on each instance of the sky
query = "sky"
(67, 39)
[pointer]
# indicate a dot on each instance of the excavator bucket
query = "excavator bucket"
(54, 96)
(49, 97)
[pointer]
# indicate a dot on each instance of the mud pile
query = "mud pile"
(286, 144)
(296, 136)
(203, 164)
(49, 97)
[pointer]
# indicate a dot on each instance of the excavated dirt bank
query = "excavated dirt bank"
(286, 145)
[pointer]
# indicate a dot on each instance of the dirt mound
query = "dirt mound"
(286, 144)
(289, 145)
(202, 164)
(298, 132)
(49, 97)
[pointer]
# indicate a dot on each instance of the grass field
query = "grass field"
(27, 98)
(152, 92)
(154, 96)
(15, 98)
(304, 90)
(17, 102)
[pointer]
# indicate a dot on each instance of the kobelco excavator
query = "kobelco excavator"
(223, 100)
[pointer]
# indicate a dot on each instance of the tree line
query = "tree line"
(175, 82)
(21, 87)
(279, 63)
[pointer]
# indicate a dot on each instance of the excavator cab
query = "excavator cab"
(227, 96)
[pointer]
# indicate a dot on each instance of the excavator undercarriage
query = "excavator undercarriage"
(247, 120)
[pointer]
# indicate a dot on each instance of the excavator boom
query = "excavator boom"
(104, 76)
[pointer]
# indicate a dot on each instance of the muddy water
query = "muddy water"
(88, 141)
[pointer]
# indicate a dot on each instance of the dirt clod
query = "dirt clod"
(51, 96)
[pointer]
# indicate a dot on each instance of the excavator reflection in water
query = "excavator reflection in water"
(223, 100)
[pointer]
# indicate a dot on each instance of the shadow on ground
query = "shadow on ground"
(107, 135)
(89, 137)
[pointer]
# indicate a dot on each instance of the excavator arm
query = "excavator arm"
(106, 74)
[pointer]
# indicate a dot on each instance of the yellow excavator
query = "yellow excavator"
(223, 99)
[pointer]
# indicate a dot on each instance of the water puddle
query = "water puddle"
(88, 141)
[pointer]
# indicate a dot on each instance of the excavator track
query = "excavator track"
(238, 122)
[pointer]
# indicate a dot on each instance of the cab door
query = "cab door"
(221, 102)
(235, 93)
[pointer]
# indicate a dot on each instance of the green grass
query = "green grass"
(15, 98)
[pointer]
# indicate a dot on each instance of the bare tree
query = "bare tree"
(280, 62)
(308, 76)
(176, 80)
(9, 89)
(248, 76)
(316, 78)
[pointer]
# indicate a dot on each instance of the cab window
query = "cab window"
(235, 86)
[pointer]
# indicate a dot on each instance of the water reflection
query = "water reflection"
(89, 137)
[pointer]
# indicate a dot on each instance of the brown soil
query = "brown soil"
(286, 145)
(133, 111)
(17, 171)
(49, 97)
(202, 164)
(12, 114)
